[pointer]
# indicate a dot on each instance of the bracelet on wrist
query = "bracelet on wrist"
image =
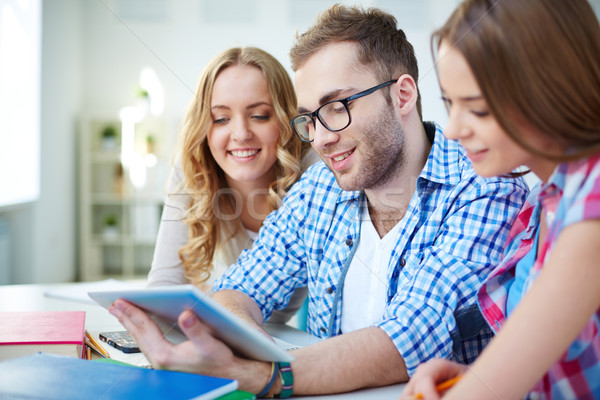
(271, 382)
(287, 380)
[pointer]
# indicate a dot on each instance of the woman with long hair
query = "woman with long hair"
(237, 157)
(521, 80)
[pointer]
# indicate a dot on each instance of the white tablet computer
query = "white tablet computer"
(165, 304)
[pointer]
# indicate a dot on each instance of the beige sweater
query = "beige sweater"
(167, 268)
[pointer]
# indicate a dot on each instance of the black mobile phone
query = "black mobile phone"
(121, 340)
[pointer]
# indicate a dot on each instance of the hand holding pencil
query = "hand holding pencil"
(432, 379)
(440, 388)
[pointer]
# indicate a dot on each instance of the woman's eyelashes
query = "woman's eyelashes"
(265, 117)
(257, 117)
(447, 103)
(480, 113)
(220, 121)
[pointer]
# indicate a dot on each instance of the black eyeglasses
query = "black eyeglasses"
(333, 115)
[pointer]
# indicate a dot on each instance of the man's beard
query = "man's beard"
(381, 154)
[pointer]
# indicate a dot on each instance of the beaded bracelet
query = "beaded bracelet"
(287, 380)
(274, 373)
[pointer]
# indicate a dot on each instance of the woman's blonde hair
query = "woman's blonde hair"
(538, 60)
(211, 216)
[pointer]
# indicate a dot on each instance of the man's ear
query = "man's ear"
(404, 94)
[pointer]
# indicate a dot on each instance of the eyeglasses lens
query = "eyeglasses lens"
(334, 115)
(304, 126)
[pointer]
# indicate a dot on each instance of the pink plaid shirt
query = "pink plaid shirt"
(571, 195)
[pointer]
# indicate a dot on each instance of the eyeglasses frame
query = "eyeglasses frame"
(315, 114)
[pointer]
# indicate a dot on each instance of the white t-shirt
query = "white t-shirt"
(366, 284)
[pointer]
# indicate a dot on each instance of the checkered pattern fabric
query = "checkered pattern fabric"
(571, 195)
(452, 235)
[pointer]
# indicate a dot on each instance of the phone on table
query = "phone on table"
(121, 340)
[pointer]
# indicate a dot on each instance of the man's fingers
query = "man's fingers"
(210, 349)
(146, 333)
(194, 329)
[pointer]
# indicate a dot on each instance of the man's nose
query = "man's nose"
(323, 137)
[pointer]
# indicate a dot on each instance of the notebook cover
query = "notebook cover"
(235, 395)
(42, 327)
(56, 377)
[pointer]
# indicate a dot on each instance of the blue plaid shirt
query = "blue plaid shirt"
(451, 237)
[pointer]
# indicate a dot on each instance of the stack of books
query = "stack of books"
(42, 356)
(54, 332)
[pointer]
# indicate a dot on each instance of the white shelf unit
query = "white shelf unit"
(121, 187)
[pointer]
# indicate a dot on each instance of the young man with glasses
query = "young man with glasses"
(393, 234)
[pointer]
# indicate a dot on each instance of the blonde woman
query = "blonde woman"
(237, 158)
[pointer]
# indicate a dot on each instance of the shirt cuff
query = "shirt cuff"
(419, 334)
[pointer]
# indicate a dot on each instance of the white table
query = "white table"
(98, 319)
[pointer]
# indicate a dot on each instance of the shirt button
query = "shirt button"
(323, 330)
(330, 290)
(402, 262)
(348, 242)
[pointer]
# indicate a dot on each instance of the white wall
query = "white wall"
(93, 51)
(183, 35)
(92, 54)
(54, 214)
(43, 239)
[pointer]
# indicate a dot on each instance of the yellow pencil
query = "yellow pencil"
(93, 348)
(97, 346)
(441, 387)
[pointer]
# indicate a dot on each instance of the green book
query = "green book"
(238, 395)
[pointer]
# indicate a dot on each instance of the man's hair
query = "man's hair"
(382, 46)
(535, 61)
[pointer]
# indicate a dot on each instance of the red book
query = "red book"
(55, 332)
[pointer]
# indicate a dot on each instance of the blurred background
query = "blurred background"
(92, 95)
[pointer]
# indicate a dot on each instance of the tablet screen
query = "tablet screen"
(165, 304)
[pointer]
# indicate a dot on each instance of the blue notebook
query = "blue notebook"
(45, 376)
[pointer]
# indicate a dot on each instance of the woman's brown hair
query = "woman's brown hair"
(537, 60)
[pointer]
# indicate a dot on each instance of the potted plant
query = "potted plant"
(109, 138)
(111, 228)
(143, 100)
(150, 142)
(143, 93)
